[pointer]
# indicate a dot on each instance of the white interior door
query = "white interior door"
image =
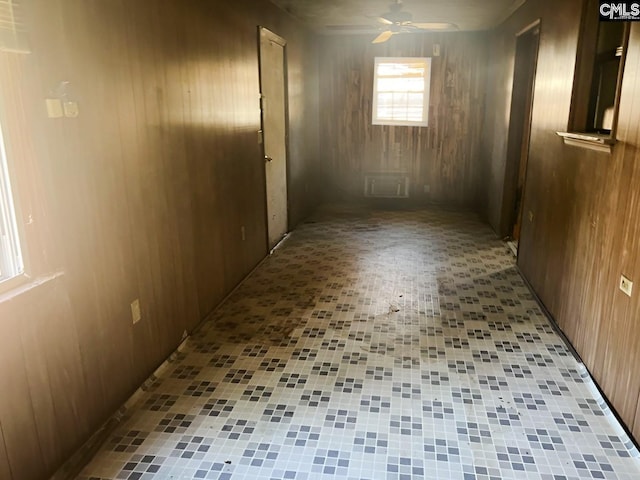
(273, 90)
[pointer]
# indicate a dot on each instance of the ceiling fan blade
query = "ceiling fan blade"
(383, 37)
(435, 26)
(384, 21)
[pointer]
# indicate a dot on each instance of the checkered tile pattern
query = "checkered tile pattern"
(374, 344)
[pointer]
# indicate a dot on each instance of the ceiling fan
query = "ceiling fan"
(398, 21)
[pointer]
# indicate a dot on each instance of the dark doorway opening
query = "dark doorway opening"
(526, 59)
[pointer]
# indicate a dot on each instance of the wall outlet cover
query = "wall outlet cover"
(136, 314)
(71, 109)
(626, 285)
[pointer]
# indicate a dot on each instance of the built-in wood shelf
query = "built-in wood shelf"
(593, 141)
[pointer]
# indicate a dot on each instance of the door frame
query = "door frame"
(263, 31)
(519, 132)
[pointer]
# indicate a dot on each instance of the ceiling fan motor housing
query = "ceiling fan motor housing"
(396, 15)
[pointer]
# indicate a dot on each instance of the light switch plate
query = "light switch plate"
(54, 108)
(626, 285)
(136, 314)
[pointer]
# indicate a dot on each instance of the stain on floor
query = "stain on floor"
(373, 345)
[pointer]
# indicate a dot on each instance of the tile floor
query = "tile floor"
(374, 345)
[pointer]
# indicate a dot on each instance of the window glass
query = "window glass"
(401, 91)
(604, 83)
(11, 263)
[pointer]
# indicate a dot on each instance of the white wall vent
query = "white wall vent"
(386, 185)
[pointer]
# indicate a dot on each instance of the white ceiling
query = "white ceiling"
(358, 16)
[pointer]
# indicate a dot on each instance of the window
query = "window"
(11, 263)
(598, 80)
(601, 78)
(13, 35)
(13, 40)
(604, 80)
(401, 91)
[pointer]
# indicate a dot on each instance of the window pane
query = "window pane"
(401, 91)
(400, 69)
(10, 255)
(400, 84)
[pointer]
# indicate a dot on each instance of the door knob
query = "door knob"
(268, 158)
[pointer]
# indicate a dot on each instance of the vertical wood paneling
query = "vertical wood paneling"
(5, 470)
(48, 422)
(142, 196)
(19, 428)
(57, 394)
(584, 204)
(443, 155)
(619, 345)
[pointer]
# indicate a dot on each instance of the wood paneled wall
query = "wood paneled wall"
(443, 156)
(585, 205)
(142, 196)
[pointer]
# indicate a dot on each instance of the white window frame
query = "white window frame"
(377, 117)
(11, 259)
